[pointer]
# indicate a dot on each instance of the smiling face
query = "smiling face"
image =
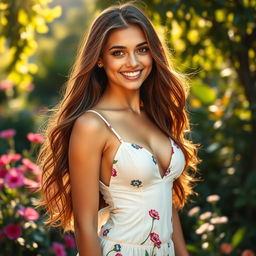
(126, 58)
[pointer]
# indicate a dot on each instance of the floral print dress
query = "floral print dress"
(138, 220)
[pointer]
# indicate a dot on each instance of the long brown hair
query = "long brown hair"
(163, 96)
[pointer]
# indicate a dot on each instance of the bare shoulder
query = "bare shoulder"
(89, 122)
(89, 125)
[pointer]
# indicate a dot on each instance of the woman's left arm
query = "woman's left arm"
(177, 235)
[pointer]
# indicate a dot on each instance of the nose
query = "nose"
(132, 60)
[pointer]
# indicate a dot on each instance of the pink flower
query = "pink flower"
(5, 84)
(31, 166)
(5, 134)
(14, 179)
(5, 159)
(20, 169)
(58, 249)
(155, 239)
(28, 213)
(12, 231)
(248, 253)
(226, 248)
(31, 184)
(35, 137)
(118, 254)
(3, 173)
(70, 241)
(14, 157)
(113, 172)
(154, 214)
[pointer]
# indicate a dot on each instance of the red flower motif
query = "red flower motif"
(172, 151)
(154, 237)
(167, 172)
(113, 172)
(12, 231)
(118, 254)
(154, 214)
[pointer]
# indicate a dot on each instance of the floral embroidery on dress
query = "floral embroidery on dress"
(154, 214)
(105, 232)
(154, 237)
(136, 146)
(117, 248)
(154, 159)
(176, 145)
(167, 171)
(136, 183)
(113, 174)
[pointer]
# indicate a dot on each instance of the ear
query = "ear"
(100, 61)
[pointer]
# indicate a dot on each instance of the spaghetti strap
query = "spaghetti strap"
(108, 124)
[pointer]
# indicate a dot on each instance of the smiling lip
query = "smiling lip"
(131, 77)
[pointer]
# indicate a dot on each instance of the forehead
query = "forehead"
(129, 37)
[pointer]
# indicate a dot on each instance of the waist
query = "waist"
(167, 243)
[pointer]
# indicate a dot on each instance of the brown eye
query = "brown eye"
(116, 53)
(144, 49)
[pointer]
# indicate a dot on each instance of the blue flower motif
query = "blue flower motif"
(117, 248)
(154, 159)
(136, 183)
(136, 146)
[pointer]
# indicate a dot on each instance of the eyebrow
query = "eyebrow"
(123, 47)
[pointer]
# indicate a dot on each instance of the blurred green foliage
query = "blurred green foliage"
(213, 41)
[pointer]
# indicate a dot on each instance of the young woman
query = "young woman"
(116, 143)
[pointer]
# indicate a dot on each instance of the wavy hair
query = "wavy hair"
(163, 96)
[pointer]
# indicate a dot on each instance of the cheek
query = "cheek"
(147, 61)
(113, 64)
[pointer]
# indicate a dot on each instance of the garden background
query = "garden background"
(213, 40)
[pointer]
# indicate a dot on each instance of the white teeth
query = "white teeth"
(131, 73)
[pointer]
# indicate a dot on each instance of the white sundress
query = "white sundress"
(138, 220)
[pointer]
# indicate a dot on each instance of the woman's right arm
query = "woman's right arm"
(87, 142)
